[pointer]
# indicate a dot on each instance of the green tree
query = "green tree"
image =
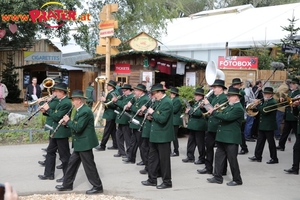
(10, 79)
(28, 31)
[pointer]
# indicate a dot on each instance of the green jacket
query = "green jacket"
(212, 121)
(162, 128)
(229, 125)
(136, 105)
(109, 113)
(147, 125)
(52, 106)
(288, 111)
(242, 98)
(177, 107)
(197, 121)
(120, 105)
(267, 120)
(89, 94)
(63, 107)
(83, 131)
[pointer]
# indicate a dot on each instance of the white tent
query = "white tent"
(204, 35)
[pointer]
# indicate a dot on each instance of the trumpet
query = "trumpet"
(201, 103)
(38, 100)
(218, 108)
(114, 95)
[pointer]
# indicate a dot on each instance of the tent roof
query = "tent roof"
(61, 67)
(240, 26)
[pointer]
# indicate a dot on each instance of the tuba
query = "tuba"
(212, 73)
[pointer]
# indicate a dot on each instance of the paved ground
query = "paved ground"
(18, 165)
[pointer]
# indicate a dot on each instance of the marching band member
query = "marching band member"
(197, 126)
(228, 138)
(110, 116)
(161, 135)
(290, 121)
(136, 137)
(219, 98)
(123, 132)
(177, 121)
(267, 126)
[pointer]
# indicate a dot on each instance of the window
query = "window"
(123, 79)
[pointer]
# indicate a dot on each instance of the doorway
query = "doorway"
(171, 80)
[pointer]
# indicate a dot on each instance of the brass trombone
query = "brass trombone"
(289, 101)
(218, 108)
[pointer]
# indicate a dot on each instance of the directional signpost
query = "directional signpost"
(288, 48)
(107, 43)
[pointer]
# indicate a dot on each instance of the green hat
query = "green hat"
(236, 81)
(199, 91)
(295, 81)
(219, 82)
(157, 87)
(61, 86)
(127, 87)
(112, 83)
(141, 87)
(78, 94)
(58, 80)
(233, 91)
(268, 90)
(174, 90)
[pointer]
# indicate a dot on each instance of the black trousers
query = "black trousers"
(109, 129)
(135, 142)
(260, 144)
(145, 151)
(123, 134)
(296, 153)
(287, 127)
(175, 141)
(244, 145)
(226, 152)
(62, 145)
(159, 160)
(89, 166)
(196, 138)
(210, 143)
(254, 129)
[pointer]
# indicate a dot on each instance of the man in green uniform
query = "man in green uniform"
(219, 98)
(110, 116)
(90, 94)
(228, 138)
(197, 126)
(177, 121)
(267, 126)
(161, 135)
(84, 139)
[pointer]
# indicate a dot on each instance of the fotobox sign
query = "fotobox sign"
(238, 62)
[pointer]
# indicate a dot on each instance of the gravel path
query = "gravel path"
(72, 196)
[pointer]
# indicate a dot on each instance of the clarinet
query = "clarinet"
(60, 123)
(146, 115)
(124, 109)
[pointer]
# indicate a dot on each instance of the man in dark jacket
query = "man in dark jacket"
(33, 92)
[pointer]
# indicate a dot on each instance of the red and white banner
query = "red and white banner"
(122, 68)
(238, 62)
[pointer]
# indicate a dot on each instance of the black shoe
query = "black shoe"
(199, 162)
(272, 161)
(127, 160)
(164, 186)
(174, 154)
(43, 177)
(43, 163)
(44, 149)
(59, 166)
(148, 183)
(140, 163)
(112, 148)
(117, 155)
(254, 159)
(186, 160)
(280, 148)
(233, 183)
(63, 188)
(125, 156)
(242, 152)
(60, 180)
(204, 171)
(44, 155)
(99, 148)
(291, 171)
(250, 140)
(214, 180)
(95, 190)
(143, 171)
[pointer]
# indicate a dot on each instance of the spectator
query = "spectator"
(3, 95)
(33, 92)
